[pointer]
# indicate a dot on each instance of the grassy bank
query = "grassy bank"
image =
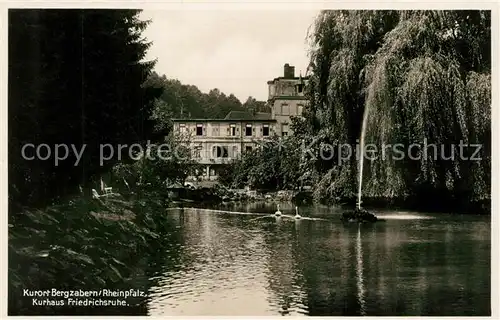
(84, 244)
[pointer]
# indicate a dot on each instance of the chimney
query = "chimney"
(289, 71)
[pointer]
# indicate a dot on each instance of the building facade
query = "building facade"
(287, 98)
(216, 142)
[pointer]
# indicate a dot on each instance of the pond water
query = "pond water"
(241, 261)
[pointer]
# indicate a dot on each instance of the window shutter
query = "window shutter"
(228, 131)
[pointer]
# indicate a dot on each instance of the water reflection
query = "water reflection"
(234, 264)
(359, 274)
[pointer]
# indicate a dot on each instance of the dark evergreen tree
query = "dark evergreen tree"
(75, 77)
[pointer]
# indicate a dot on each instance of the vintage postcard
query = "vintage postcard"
(171, 161)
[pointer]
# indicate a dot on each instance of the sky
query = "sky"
(234, 51)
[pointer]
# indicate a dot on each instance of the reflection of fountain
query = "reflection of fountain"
(297, 228)
(359, 274)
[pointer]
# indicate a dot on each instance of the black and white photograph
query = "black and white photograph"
(214, 161)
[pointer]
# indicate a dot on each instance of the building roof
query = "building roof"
(303, 78)
(246, 115)
(235, 116)
(286, 98)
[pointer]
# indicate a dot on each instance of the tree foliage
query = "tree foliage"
(275, 164)
(158, 167)
(408, 77)
(75, 77)
(187, 101)
(419, 76)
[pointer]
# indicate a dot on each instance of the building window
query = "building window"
(197, 151)
(182, 127)
(232, 130)
(215, 131)
(199, 129)
(265, 130)
(284, 129)
(248, 149)
(300, 109)
(285, 110)
(248, 130)
(300, 88)
(220, 152)
(272, 90)
(235, 152)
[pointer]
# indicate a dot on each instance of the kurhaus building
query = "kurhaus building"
(215, 142)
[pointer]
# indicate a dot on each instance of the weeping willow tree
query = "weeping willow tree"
(423, 78)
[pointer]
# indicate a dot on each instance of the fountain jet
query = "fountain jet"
(360, 215)
(362, 157)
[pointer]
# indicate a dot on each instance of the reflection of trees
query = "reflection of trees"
(284, 278)
(167, 255)
(318, 258)
(259, 206)
(219, 260)
(326, 257)
(425, 268)
(407, 267)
